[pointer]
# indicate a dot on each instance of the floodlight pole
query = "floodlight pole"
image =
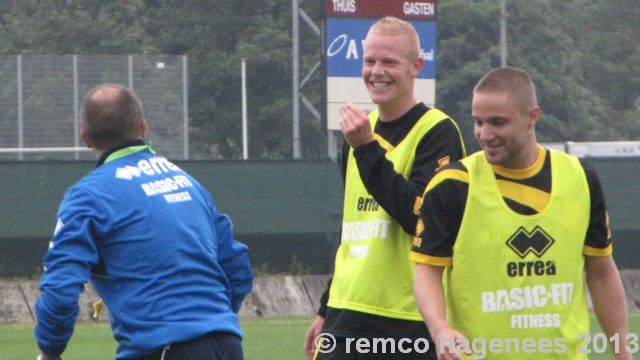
(299, 84)
(296, 80)
(245, 137)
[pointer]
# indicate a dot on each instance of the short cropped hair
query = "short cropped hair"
(390, 25)
(111, 114)
(514, 81)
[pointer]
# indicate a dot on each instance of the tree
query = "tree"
(608, 36)
(543, 45)
(216, 36)
(73, 27)
(582, 55)
(468, 33)
(554, 42)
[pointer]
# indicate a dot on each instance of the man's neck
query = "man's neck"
(102, 154)
(392, 112)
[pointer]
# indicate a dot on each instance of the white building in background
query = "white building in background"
(598, 149)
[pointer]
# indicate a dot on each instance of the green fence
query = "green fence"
(288, 212)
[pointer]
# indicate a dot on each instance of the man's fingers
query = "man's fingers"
(357, 111)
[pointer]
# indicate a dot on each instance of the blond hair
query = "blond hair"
(390, 25)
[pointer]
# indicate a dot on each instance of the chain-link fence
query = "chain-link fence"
(40, 98)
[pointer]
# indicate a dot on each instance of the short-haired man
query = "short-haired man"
(147, 235)
(513, 227)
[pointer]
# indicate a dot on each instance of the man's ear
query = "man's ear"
(418, 64)
(85, 138)
(534, 115)
(143, 128)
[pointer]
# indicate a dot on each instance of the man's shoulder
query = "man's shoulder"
(453, 171)
(583, 163)
(438, 118)
(452, 174)
(454, 166)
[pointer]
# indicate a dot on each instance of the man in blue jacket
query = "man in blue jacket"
(149, 238)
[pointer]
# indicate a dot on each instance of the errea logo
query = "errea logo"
(127, 172)
(153, 166)
(523, 242)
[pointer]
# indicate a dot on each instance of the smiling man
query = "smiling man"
(512, 228)
(389, 157)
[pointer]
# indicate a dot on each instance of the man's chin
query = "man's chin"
(493, 157)
(376, 99)
(378, 95)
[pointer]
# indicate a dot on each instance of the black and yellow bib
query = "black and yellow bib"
(373, 273)
(515, 276)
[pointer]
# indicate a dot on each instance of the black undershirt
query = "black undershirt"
(449, 201)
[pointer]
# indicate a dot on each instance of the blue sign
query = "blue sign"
(345, 39)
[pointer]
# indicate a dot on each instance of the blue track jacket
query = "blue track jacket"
(159, 254)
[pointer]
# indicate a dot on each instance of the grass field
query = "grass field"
(265, 339)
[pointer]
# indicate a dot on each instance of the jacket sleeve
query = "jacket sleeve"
(72, 252)
(233, 257)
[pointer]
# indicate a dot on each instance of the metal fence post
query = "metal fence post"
(76, 107)
(20, 109)
(185, 105)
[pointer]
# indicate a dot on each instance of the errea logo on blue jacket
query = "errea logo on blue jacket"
(127, 172)
(153, 166)
(169, 187)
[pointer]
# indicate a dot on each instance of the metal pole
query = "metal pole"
(296, 80)
(185, 106)
(503, 34)
(245, 138)
(130, 69)
(20, 110)
(76, 107)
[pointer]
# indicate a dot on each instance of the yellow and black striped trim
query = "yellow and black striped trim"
(523, 194)
(384, 143)
(593, 251)
(447, 174)
(430, 260)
